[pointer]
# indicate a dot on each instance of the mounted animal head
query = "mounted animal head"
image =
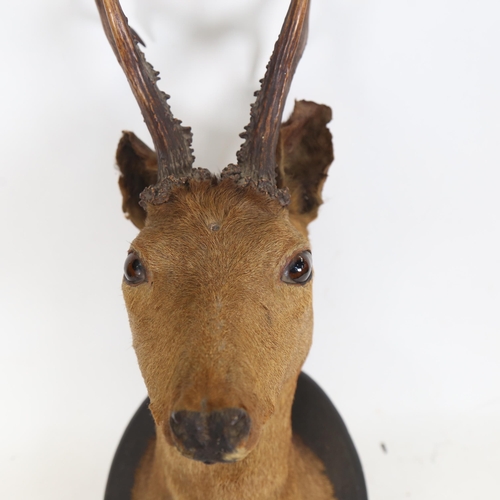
(217, 284)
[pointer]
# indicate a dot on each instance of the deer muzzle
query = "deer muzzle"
(211, 437)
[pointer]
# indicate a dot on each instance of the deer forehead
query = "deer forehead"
(221, 225)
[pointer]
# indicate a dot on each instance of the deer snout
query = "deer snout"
(211, 437)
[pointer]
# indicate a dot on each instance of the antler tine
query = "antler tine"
(172, 141)
(257, 155)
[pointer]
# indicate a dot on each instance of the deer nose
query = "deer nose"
(218, 436)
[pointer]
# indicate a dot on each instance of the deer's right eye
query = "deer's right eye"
(134, 272)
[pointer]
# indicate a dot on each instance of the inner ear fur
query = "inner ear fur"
(139, 169)
(304, 154)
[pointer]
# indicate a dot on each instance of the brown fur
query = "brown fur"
(215, 327)
(305, 151)
(139, 169)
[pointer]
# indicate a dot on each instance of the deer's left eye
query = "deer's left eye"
(299, 270)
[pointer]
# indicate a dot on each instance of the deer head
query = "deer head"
(217, 284)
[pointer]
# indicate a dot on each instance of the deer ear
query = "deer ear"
(304, 153)
(139, 169)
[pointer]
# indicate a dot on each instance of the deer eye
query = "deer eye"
(134, 272)
(299, 270)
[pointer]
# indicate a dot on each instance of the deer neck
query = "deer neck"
(268, 469)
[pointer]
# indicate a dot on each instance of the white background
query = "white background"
(406, 248)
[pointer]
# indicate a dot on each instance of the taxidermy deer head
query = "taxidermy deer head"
(217, 284)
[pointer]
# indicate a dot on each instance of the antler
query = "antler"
(257, 155)
(172, 141)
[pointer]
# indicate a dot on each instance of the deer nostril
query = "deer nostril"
(236, 422)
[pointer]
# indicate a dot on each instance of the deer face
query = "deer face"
(218, 323)
(218, 282)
